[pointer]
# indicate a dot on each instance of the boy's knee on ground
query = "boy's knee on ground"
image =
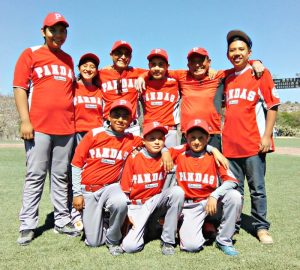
(130, 246)
(191, 246)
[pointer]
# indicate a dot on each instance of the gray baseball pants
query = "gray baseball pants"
(109, 198)
(168, 203)
(53, 153)
(190, 232)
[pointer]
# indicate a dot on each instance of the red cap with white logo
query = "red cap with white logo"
(154, 126)
(123, 104)
(159, 53)
(197, 50)
(121, 43)
(54, 18)
(198, 123)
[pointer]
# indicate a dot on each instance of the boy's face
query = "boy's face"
(198, 65)
(197, 140)
(158, 68)
(154, 141)
(55, 36)
(120, 119)
(121, 57)
(238, 54)
(88, 70)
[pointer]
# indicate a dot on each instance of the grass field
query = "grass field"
(52, 251)
(287, 142)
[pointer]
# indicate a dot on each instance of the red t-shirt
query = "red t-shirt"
(48, 77)
(161, 101)
(110, 79)
(101, 155)
(247, 101)
(198, 176)
(88, 108)
(200, 99)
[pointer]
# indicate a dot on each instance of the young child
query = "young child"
(96, 168)
(160, 99)
(142, 180)
(43, 92)
(251, 107)
(88, 107)
(197, 174)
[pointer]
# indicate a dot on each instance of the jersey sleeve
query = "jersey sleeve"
(268, 90)
(226, 175)
(138, 142)
(177, 150)
(126, 179)
(82, 150)
(22, 74)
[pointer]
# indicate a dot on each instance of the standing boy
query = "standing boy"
(44, 97)
(251, 108)
(197, 174)
(142, 180)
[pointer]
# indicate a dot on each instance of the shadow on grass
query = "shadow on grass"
(48, 225)
(246, 224)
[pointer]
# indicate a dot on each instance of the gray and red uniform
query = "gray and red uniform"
(48, 78)
(197, 174)
(143, 179)
(98, 161)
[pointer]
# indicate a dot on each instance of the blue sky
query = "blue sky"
(174, 25)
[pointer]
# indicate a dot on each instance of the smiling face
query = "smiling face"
(120, 119)
(197, 139)
(198, 65)
(158, 67)
(55, 36)
(88, 70)
(154, 141)
(238, 54)
(121, 58)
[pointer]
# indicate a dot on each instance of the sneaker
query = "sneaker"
(68, 229)
(264, 237)
(227, 250)
(78, 225)
(25, 237)
(114, 250)
(167, 249)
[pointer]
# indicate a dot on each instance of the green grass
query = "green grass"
(52, 251)
(287, 142)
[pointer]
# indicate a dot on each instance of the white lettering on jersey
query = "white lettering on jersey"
(113, 85)
(58, 72)
(147, 178)
(84, 99)
(197, 177)
(237, 93)
(107, 153)
(159, 96)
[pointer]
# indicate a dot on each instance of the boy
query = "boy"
(251, 107)
(160, 99)
(142, 180)
(96, 166)
(197, 174)
(43, 93)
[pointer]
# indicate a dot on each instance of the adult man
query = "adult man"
(251, 108)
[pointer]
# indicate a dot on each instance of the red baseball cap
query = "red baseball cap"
(123, 104)
(121, 43)
(158, 52)
(54, 18)
(198, 123)
(197, 50)
(89, 56)
(154, 126)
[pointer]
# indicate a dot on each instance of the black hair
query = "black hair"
(235, 38)
(96, 79)
(197, 128)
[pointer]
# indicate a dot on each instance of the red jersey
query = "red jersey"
(161, 101)
(88, 108)
(111, 79)
(247, 101)
(48, 77)
(101, 155)
(144, 176)
(198, 176)
(200, 98)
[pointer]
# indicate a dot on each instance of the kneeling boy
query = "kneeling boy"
(142, 180)
(197, 174)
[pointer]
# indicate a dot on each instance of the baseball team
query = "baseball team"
(121, 184)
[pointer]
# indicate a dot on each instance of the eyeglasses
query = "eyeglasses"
(120, 53)
(119, 86)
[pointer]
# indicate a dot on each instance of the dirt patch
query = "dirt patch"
(293, 151)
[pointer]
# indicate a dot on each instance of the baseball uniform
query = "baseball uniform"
(197, 174)
(48, 78)
(143, 179)
(100, 157)
(247, 100)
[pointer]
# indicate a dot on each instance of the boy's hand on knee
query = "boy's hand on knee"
(78, 203)
(211, 206)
